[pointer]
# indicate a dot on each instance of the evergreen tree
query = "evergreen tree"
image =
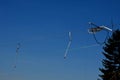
(111, 62)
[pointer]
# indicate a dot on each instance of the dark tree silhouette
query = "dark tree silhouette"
(111, 62)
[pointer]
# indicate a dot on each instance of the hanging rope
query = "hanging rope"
(69, 43)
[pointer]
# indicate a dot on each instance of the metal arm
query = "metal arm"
(97, 28)
(93, 24)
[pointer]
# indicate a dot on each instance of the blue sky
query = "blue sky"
(42, 29)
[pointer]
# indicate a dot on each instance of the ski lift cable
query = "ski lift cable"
(85, 46)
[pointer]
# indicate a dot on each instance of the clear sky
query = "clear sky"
(42, 26)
